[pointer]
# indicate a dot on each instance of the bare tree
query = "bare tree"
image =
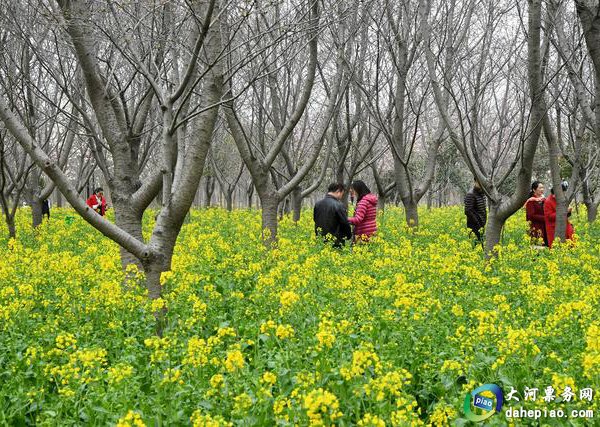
(261, 160)
(182, 160)
(490, 162)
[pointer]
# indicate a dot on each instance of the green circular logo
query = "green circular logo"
(475, 400)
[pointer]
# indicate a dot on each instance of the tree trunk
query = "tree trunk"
(209, 187)
(12, 229)
(412, 213)
(562, 207)
(493, 231)
(59, 199)
(296, 204)
(285, 207)
(592, 210)
(153, 271)
(249, 194)
(269, 204)
(228, 199)
(36, 211)
(131, 222)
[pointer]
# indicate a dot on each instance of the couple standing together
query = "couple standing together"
(331, 217)
(541, 214)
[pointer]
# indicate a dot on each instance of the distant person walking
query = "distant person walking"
(550, 216)
(97, 201)
(365, 214)
(534, 208)
(476, 211)
(331, 217)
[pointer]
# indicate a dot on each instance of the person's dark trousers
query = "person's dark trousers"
(478, 235)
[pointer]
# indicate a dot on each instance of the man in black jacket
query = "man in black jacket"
(331, 217)
(475, 210)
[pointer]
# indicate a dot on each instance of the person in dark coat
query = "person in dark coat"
(475, 210)
(46, 208)
(534, 208)
(330, 216)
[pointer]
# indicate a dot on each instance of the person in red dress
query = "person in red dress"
(97, 201)
(534, 208)
(550, 214)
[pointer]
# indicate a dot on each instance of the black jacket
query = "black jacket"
(475, 209)
(331, 218)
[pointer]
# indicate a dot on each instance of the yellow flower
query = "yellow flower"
(284, 331)
(363, 359)
(234, 360)
(457, 310)
(452, 366)
(197, 352)
(370, 420)
(226, 332)
(217, 381)
(287, 299)
(172, 375)
(322, 407)
(159, 347)
(326, 334)
(280, 405)
(267, 327)
(119, 372)
(205, 420)
(65, 341)
(242, 402)
(389, 384)
(132, 419)
(269, 378)
(157, 305)
(442, 415)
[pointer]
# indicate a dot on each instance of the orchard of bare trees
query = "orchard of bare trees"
(170, 104)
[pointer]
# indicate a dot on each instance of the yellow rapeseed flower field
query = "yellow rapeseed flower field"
(391, 333)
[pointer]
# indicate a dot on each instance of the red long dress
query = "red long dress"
(550, 214)
(534, 208)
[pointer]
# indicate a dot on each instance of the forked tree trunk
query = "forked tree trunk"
(411, 212)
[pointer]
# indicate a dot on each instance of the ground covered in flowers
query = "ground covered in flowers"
(395, 332)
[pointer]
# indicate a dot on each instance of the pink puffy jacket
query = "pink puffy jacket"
(365, 215)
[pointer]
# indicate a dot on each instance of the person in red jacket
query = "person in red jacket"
(97, 201)
(365, 214)
(534, 208)
(550, 215)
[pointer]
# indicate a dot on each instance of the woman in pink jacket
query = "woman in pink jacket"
(365, 214)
